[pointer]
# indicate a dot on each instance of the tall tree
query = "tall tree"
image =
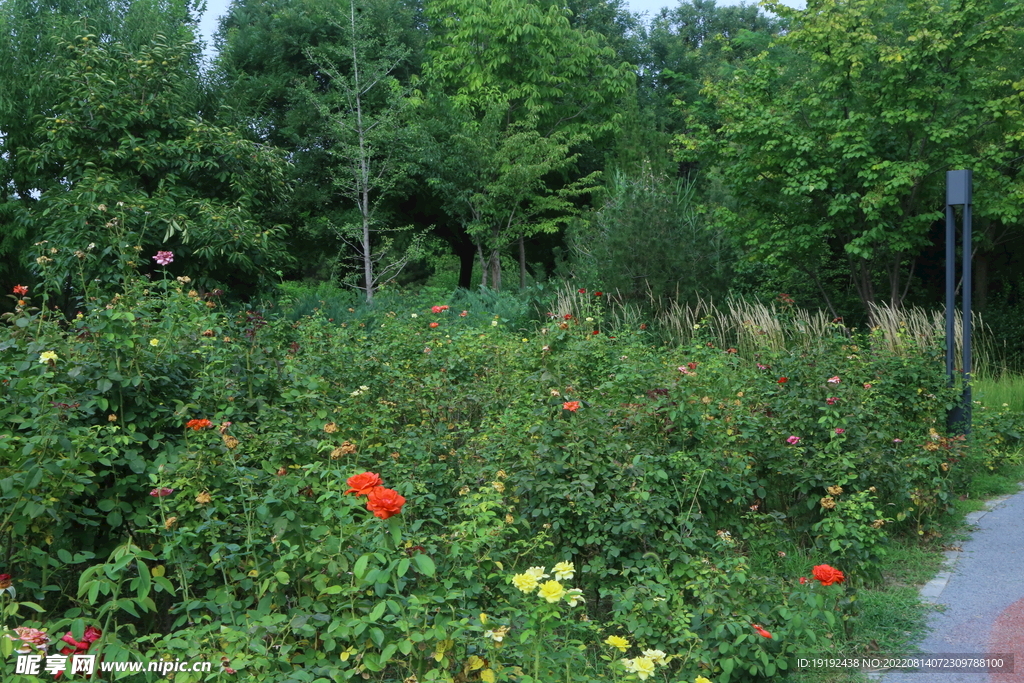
(270, 60)
(493, 178)
(525, 60)
(366, 110)
(131, 168)
(836, 141)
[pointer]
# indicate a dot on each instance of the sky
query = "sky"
(215, 8)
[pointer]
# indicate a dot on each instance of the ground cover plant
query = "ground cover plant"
(418, 491)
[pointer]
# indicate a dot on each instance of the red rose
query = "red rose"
(5, 581)
(598, 293)
(571, 406)
(760, 631)
(198, 424)
(161, 492)
(362, 484)
(20, 290)
(91, 635)
(597, 332)
(383, 502)
(583, 291)
(803, 579)
(434, 324)
(783, 380)
(827, 575)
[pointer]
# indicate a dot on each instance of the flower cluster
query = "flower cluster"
(552, 591)
(197, 425)
(382, 502)
(438, 309)
(642, 666)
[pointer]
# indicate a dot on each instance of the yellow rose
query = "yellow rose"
(643, 667)
(154, 342)
(617, 642)
(656, 656)
(551, 591)
(537, 573)
(47, 356)
(564, 571)
(701, 679)
(524, 582)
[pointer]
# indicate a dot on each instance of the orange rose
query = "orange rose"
(827, 575)
(383, 502)
(362, 484)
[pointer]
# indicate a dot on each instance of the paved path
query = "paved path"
(982, 590)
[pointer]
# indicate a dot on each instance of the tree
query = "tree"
(648, 239)
(837, 139)
(554, 86)
(494, 180)
(272, 54)
(30, 35)
(696, 41)
(134, 169)
(365, 107)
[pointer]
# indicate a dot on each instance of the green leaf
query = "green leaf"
(378, 611)
(424, 564)
(359, 568)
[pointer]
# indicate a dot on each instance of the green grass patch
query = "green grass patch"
(1007, 389)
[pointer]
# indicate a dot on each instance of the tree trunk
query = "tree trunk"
(494, 269)
(364, 169)
(483, 265)
(522, 263)
(494, 263)
(865, 288)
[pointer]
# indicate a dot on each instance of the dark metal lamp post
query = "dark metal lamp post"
(958, 192)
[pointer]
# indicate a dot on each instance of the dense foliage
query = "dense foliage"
(180, 477)
(534, 483)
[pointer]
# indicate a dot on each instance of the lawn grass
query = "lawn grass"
(1007, 389)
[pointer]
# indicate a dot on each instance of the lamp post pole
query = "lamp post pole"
(958, 192)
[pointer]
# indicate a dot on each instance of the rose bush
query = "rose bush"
(658, 473)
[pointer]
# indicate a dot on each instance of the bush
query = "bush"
(178, 477)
